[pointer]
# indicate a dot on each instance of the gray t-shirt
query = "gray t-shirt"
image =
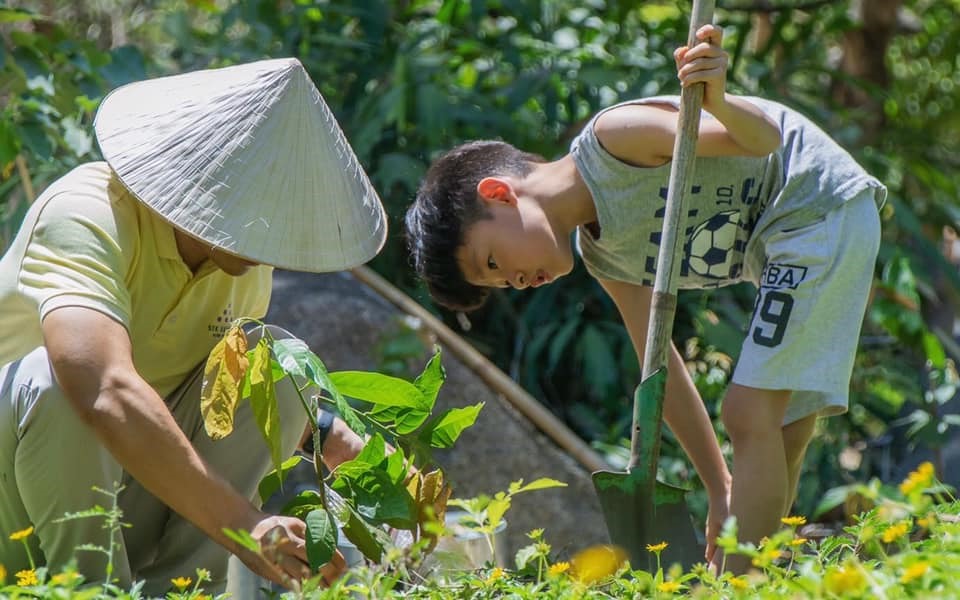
(730, 199)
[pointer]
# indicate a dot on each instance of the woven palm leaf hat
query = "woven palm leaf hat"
(249, 159)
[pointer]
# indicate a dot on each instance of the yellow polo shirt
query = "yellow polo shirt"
(88, 242)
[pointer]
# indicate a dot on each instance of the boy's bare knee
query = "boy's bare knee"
(750, 412)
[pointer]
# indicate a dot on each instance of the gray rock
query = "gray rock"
(344, 322)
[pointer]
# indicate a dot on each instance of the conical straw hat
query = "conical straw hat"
(250, 160)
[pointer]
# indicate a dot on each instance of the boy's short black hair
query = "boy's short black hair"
(446, 205)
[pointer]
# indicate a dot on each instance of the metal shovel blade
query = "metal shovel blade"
(636, 517)
(638, 509)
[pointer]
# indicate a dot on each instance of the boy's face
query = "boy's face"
(517, 247)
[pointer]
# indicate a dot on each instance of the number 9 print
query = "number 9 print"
(773, 309)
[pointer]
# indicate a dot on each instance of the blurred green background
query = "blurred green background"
(410, 78)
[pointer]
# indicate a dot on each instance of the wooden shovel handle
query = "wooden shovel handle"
(648, 406)
(664, 302)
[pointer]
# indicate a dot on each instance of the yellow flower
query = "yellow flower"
(739, 583)
(798, 541)
(669, 587)
(918, 480)
(3, 574)
(914, 571)
(558, 568)
(847, 578)
(181, 583)
(22, 534)
(793, 521)
(895, 532)
(597, 562)
(495, 574)
(656, 547)
(27, 577)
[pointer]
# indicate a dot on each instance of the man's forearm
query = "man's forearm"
(684, 412)
(133, 423)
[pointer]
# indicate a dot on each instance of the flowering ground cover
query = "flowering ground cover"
(906, 546)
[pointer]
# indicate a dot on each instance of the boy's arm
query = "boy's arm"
(643, 134)
(683, 409)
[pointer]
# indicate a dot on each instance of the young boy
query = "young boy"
(774, 201)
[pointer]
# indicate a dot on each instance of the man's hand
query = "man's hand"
(283, 556)
(706, 62)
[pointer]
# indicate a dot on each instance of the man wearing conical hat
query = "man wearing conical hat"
(123, 277)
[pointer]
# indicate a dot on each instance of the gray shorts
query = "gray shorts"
(811, 296)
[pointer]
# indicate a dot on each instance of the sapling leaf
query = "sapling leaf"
(396, 465)
(301, 504)
(444, 430)
(377, 388)
(243, 538)
(432, 494)
(273, 480)
(364, 537)
(222, 376)
(296, 358)
(404, 420)
(263, 401)
(372, 453)
(376, 495)
(321, 538)
(431, 379)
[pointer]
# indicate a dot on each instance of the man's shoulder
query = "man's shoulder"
(90, 190)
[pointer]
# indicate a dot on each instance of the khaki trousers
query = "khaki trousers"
(50, 462)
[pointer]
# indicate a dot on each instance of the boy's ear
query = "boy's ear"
(495, 189)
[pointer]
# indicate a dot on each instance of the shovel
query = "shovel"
(638, 509)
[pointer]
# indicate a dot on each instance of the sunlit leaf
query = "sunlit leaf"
(222, 376)
(296, 358)
(497, 507)
(430, 380)
(539, 484)
(380, 389)
(263, 401)
(443, 431)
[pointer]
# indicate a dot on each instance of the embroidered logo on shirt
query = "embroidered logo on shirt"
(222, 325)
